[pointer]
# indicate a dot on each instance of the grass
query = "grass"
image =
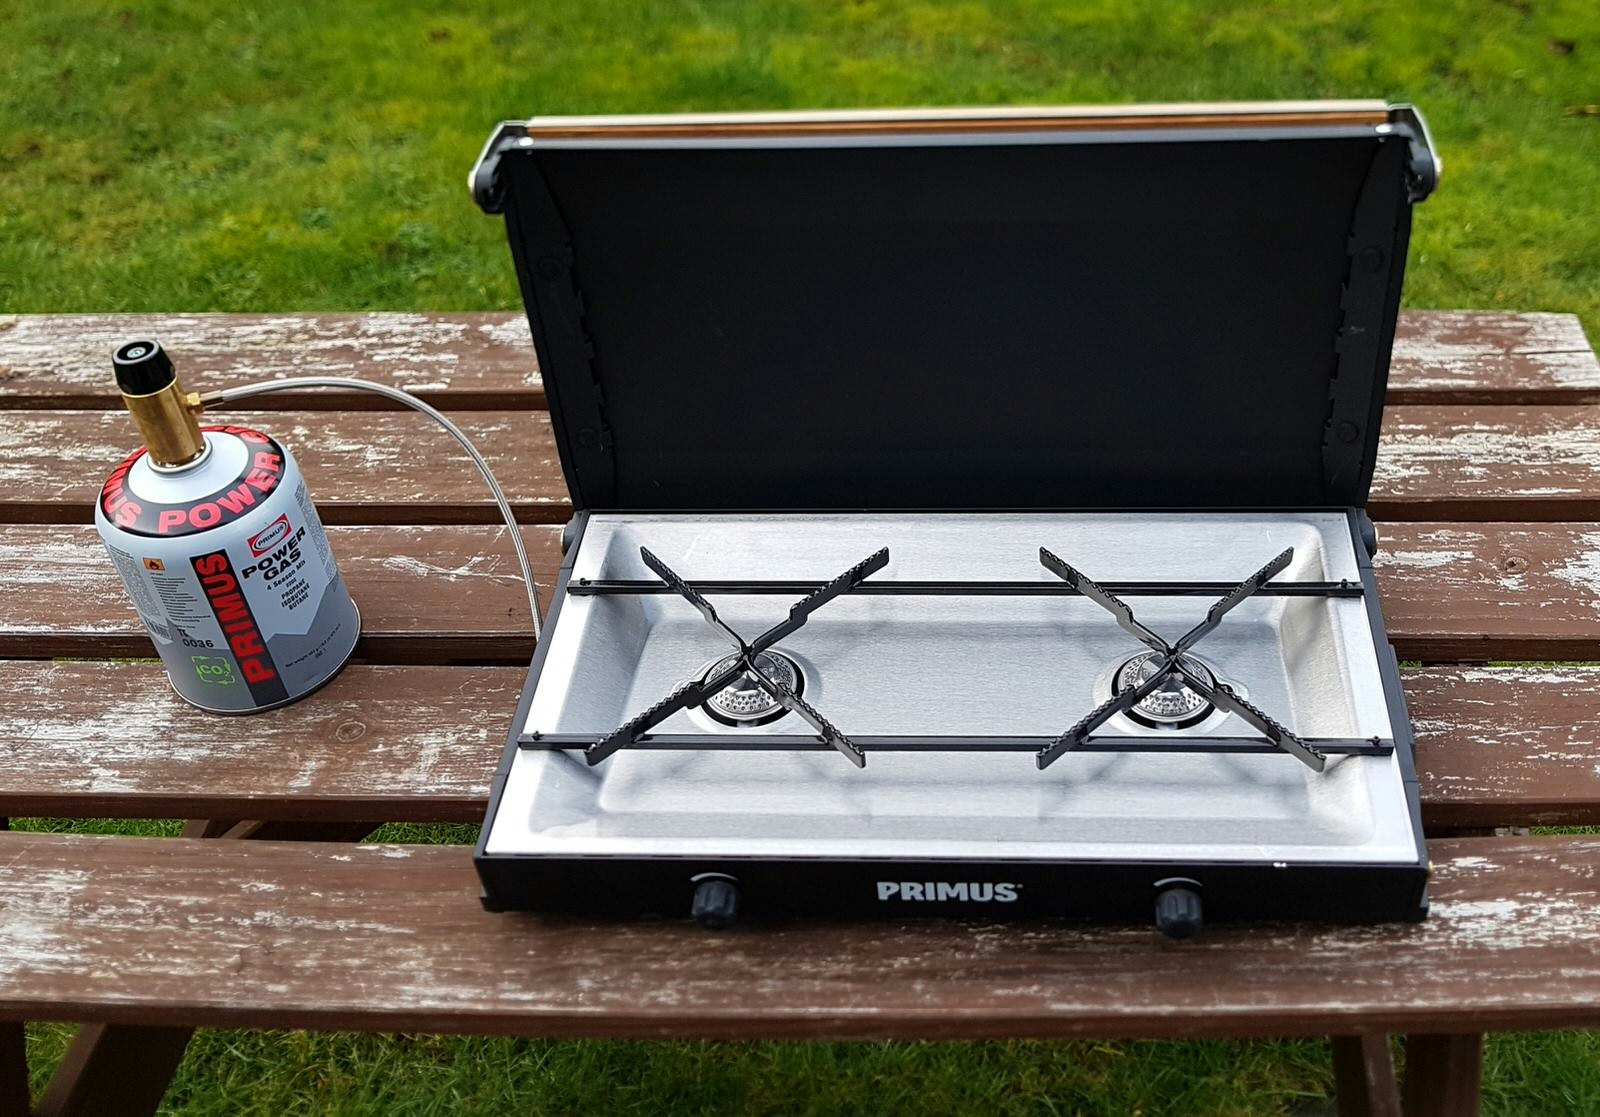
(252, 156)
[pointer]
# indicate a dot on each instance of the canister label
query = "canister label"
(231, 572)
(260, 473)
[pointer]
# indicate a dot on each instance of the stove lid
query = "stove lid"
(1154, 306)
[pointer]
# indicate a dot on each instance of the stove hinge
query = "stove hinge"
(1365, 336)
(547, 270)
(1424, 165)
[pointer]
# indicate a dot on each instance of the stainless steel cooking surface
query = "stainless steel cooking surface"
(953, 665)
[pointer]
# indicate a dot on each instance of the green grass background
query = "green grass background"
(255, 157)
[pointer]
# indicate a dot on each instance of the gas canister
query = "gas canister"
(221, 551)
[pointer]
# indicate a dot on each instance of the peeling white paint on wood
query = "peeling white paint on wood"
(1505, 602)
(74, 588)
(510, 331)
(422, 737)
(1474, 862)
(72, 353)
(1554, 678)
(1582, 570)
(1490, 953)
(1444, 349)
(1489, 452)
(358, 459)
(1508, 745)
(1425, 560)
(1523, 921)
(36, 928)
(484, 565)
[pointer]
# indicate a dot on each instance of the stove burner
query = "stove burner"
(736, 683)
(1170, 684)
(1172, 705)
(744, 701)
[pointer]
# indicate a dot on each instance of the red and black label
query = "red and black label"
(225, 595)
(261, 475)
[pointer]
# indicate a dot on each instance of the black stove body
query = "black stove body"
(970, 515)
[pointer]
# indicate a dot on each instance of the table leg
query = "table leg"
(207, 827)
(1363, 1076)
(115, 1070)
(14, 1096)
(1444, 1075)
(276, 831)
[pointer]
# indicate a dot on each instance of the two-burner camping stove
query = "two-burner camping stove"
(826, 639)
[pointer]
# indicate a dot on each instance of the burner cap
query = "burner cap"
(743, 701)
(1172, 704)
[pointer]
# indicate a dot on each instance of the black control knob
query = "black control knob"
(716, 904)
(1178, 914)
(142, 367)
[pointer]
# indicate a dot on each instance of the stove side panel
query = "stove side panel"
(1365, 535)
(571, 542)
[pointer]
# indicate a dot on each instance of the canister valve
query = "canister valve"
(163, 411)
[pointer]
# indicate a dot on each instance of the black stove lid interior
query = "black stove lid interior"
(1151, 317)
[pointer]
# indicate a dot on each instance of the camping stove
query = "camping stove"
(964, 708)
(960, 624)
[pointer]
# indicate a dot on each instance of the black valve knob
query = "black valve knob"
(716, 904)
(1178, 913)
(142, 367)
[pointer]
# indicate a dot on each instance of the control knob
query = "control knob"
(1178, 913)
(716, 903)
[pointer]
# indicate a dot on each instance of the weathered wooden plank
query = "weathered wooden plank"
(1450, 592)
(426, 594)
(1485, 356)
(487, 360)
(392, 938)
(1477, 592)
(460, 360)
(1471, 463)
(361, 467)
(1488, 463)
(1495, 746)
(1507, 746)
(111, 740)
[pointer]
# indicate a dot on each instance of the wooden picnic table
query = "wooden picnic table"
(1487, 482)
